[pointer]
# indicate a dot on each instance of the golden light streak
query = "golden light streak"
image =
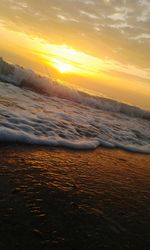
(104, 75)
(63, 67)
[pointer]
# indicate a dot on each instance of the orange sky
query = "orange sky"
(102, 46)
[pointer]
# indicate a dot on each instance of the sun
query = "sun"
(70, 61)
(63, 67)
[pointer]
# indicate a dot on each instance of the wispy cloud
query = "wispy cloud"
(108, 24)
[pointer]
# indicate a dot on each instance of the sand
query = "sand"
(64, 199)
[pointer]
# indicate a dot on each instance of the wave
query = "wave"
(10, 135)
(32, 118)
(28, 79)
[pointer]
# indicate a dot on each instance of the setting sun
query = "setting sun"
(63, 67)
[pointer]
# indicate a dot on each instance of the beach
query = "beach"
(54, 198)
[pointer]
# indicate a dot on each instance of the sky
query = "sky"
(100, 45)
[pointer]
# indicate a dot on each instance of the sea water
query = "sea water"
(39, 110)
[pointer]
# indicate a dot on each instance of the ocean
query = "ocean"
(38, 110)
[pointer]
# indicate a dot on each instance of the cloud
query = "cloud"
(142, 37)
(108, 24)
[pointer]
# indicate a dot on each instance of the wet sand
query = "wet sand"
(73, 200)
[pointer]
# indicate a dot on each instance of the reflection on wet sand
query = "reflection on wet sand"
(63, 199)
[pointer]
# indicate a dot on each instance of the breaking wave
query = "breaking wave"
(28, 79)
(39, 110)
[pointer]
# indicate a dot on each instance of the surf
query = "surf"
(28, 79)
(38, 110)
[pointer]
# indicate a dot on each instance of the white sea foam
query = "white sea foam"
(30, 117)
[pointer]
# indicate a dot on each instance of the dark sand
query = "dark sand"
(63, 199)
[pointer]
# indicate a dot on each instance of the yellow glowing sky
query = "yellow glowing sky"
(102, 45)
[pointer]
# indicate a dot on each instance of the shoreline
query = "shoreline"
(72, 149)
(52, 198)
